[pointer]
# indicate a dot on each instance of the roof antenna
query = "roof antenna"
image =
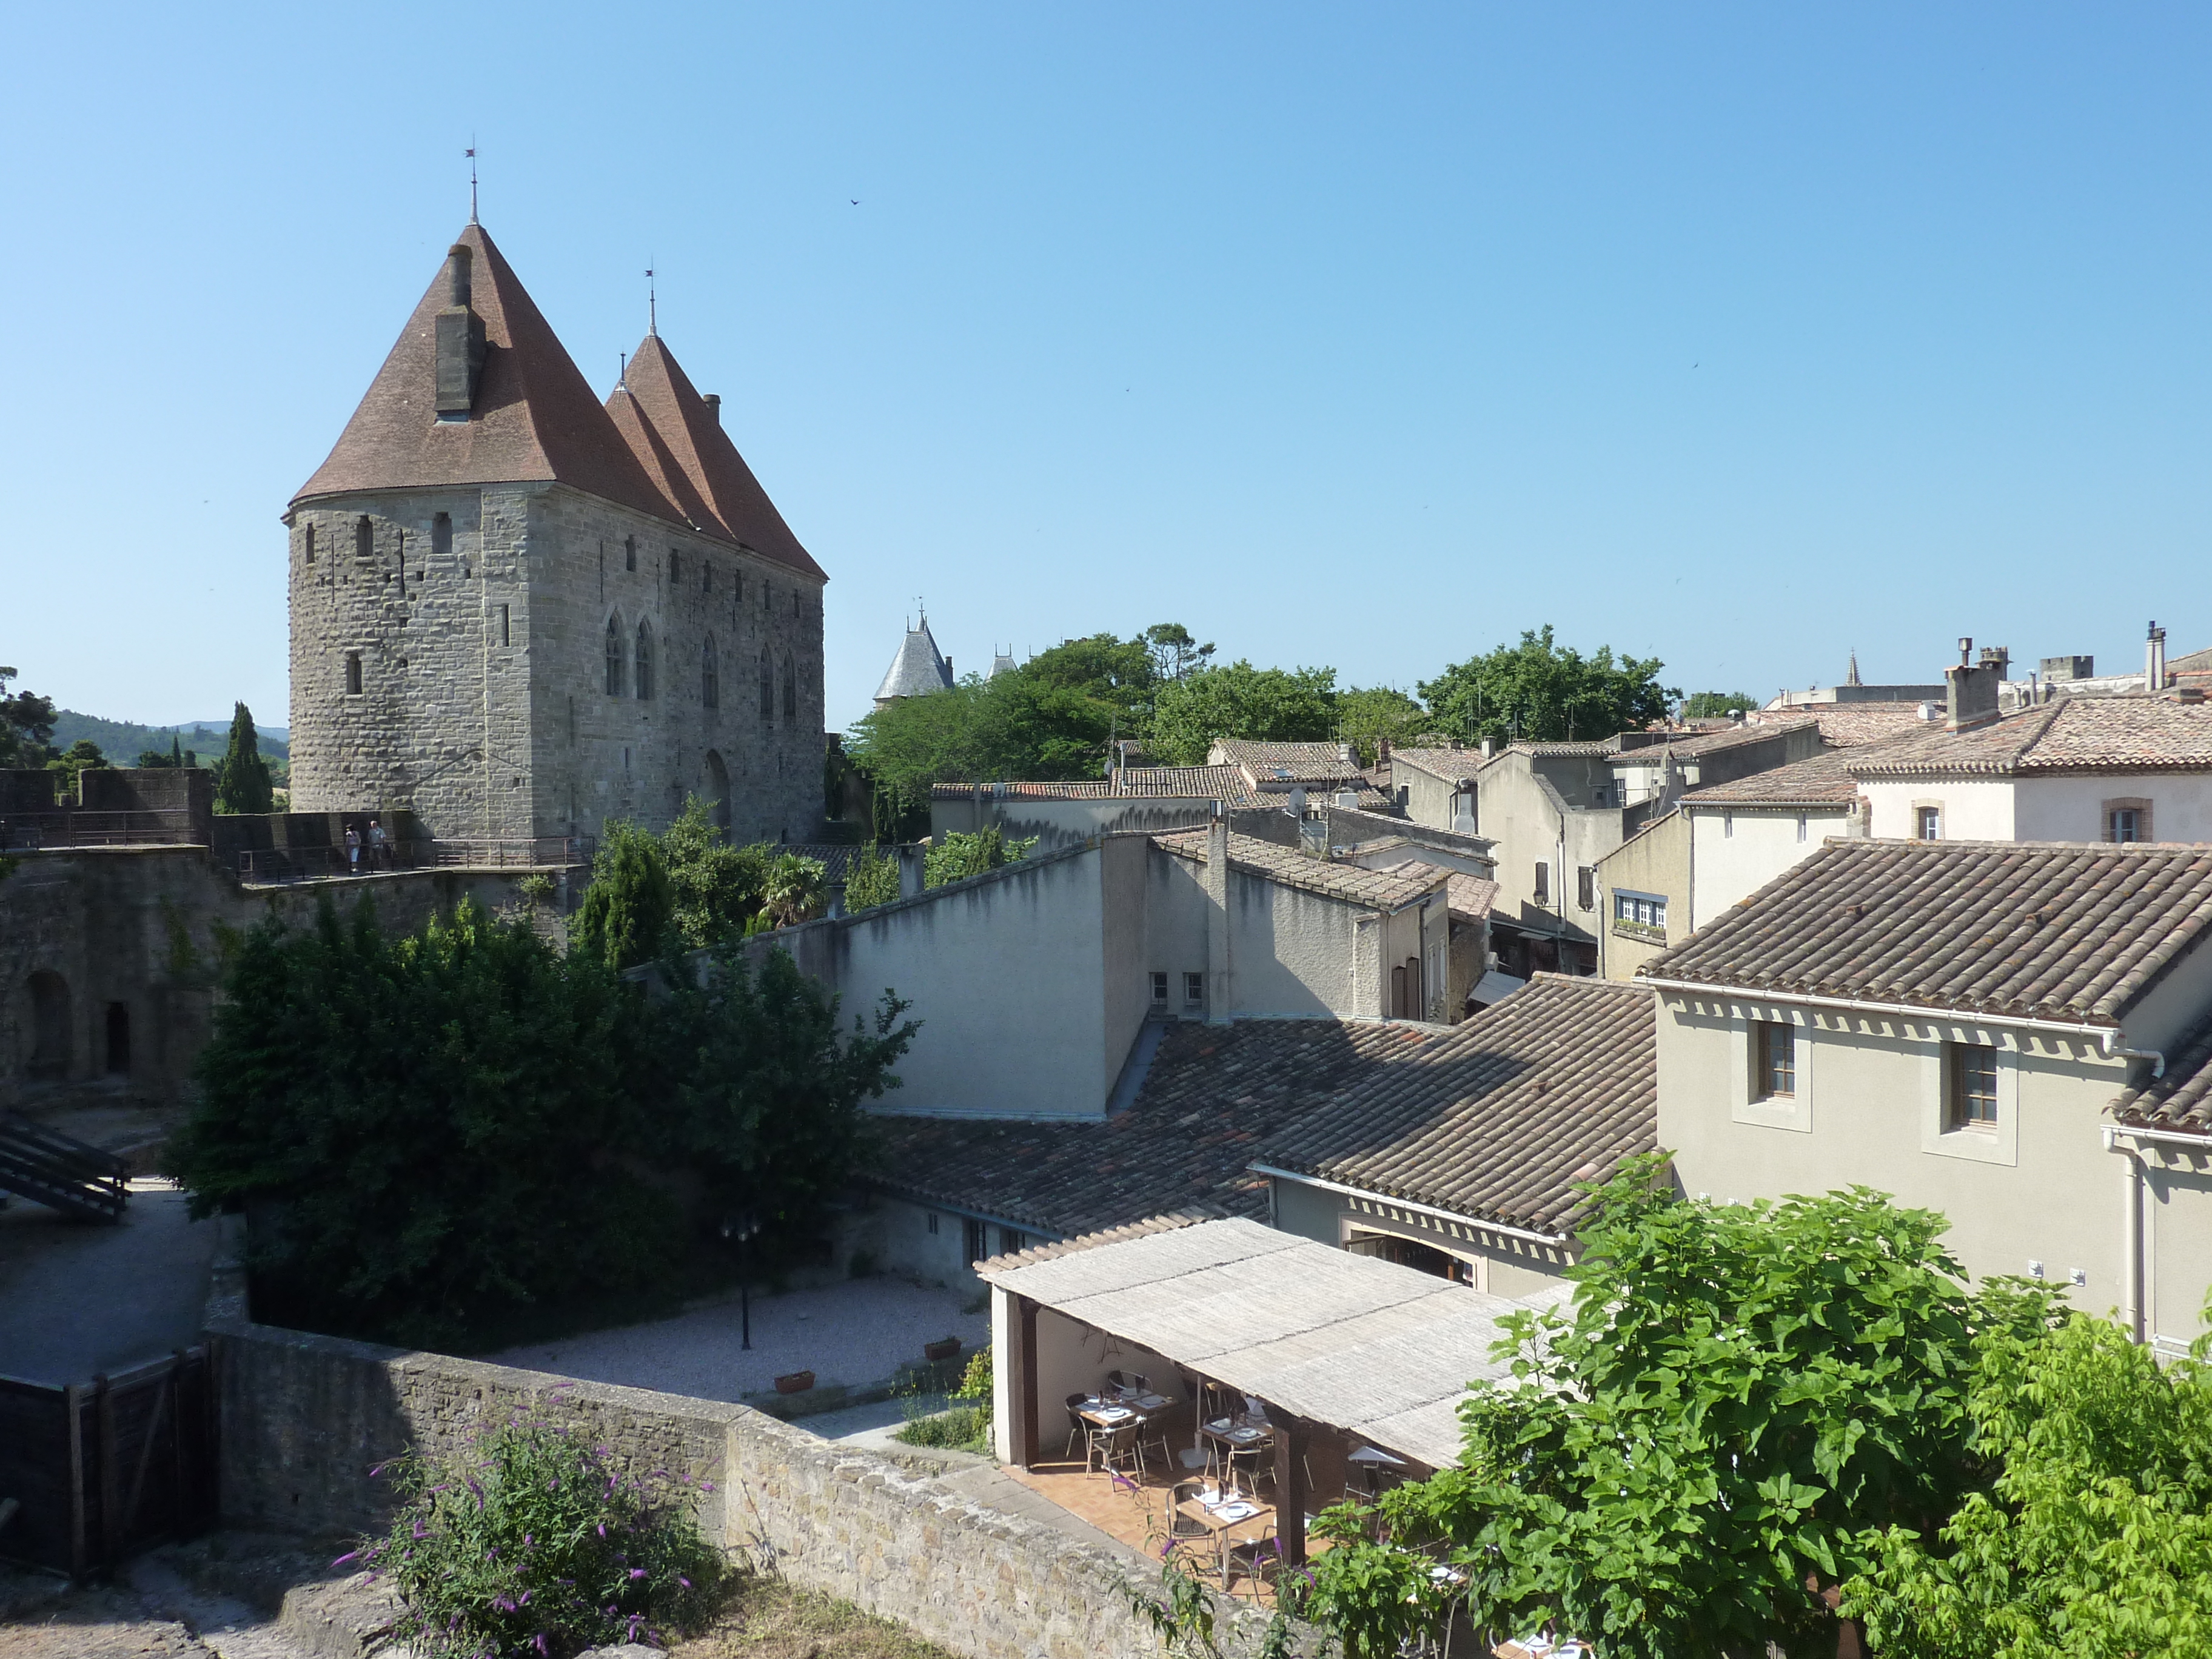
(472, 153)
(652, 304)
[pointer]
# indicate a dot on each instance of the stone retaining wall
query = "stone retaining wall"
(304, 1419)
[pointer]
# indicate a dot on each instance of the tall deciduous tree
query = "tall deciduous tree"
(1366, 719)
(1741, 1396)
(242, 783)
(26, 726)
(1236, 700)
(1539, 691)
(715, 890)
(1715, 705)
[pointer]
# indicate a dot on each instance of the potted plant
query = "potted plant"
(794, 1382)
(937, 1352)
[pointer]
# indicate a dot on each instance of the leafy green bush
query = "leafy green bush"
(965, 1428)
(434, 1134)
(873, 879)
(530, 1544)
(955, 856)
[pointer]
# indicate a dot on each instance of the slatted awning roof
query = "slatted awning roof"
(1380, 1351)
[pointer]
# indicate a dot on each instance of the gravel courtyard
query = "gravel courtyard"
(857, 1332)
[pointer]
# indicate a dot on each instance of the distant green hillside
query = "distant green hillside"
(123, 742)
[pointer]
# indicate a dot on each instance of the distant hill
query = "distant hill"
(122, 742)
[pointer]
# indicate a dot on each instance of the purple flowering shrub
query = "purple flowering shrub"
(530, 1544)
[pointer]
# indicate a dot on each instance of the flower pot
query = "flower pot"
(937, 1352)
(794, 1382)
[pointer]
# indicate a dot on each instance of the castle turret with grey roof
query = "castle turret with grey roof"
(918, 670)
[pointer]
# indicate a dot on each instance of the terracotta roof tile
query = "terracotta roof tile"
(1685, 745)
(708, 472)
(1823, 780)
(2072, 734)
(1381, 888)
(1303, 762)
(1212, 1094)
(1502, 1117)
(535, 419)
(1452, 765)
(2034, 930)
(1849, 725)
(2181, 1100)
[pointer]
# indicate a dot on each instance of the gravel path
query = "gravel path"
(856, 1332)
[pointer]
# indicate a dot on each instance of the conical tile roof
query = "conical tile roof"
(683, 449)
(918, 670)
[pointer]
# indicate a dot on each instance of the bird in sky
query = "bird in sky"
(855, 200)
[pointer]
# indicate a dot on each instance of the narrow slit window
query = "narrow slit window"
(710, 676)
(614, 658)
(629, 552)
(308, 543)
(790, 690)
(364, 537)
(353, 673)
(644, 680)
(441, 536)
(767, 688)
(1543, 882)
(506, 633)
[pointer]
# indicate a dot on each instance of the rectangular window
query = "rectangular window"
(1585, 887)
(933, 1223)
(441, 536)
(307, 543)
(974, 1243)
(1728, 825)
(1974, 1085)
(1928, 823)
(1640, 915)
(1803, 826)
(506, 634)
(1193, 989)
(1777, 1060)
(629, 552)
(353, 673)
(1160, 990)
(2126, 824)
(1543, 882)
(364, 537)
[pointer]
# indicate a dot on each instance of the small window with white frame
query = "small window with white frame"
(1160, 990)
(1640, 915)
(1774, 1060)
(1970, 1086)
(1927, 822)
(2126, 821)
(1194, 990)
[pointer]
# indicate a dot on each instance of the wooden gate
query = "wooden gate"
(100, 1470)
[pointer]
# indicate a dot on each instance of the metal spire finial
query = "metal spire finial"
(471, 153)
(652, 302)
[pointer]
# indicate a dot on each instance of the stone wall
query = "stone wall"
(85, 931)
(304, 1419)
(484, 705)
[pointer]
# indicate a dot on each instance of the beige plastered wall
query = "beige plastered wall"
(1655, 861)
(1504, 1265)
(1735, 852)
(1869, 1111)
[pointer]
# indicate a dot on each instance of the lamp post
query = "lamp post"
(741, 1229)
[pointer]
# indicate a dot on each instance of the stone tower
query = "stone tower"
(517, 611)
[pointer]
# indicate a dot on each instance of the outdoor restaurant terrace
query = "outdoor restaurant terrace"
(1208, 1387)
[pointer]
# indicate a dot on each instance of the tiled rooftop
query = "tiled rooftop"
(2031, 929)
(1687, 746)
(2073, 734)
(1212, 1094)
(1822, 781)
(1291, 868)
(1451, 764)
(1849, 725)
(2181, 1100)
(1502, 1117)
(1223, 783)
(1303, 762)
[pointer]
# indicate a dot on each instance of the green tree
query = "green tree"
(1366, 719)
(1539, 692)
(26, 726)
(1176, 653)
(873, 879)
(1236, 700)
(716, 890)
(82, 755)
(156, 758)
(795, 891)
(242, 783)
(2096, 1538)
(1715, 705)
(1740, 1396)
(629, 912)
(955, 856)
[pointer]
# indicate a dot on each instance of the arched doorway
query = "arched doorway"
(50, 1025)
(118, 1039)
(718, 790)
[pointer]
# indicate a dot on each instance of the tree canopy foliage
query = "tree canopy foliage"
(1366, 719)
(436, 1132)
(1539, 691)
(1739, 1400)
(2096, 1538)
(1236, 700)
(1715, 705)
(687, 890)
(26, 726)
(242, 782)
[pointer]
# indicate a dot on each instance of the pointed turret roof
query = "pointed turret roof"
(535, 418)
(1852, 678)
(918, 670)
(680, 441)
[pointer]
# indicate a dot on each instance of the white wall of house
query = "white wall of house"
(1973, 809)
(2043, 807)
(1735, 852)
(1868, 1110)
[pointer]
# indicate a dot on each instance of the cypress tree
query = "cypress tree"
(242, 779)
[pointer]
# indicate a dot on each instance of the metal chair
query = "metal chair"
(1181, 1529)
(1256, 1555)
(1077, 1428)
(1105, 1446)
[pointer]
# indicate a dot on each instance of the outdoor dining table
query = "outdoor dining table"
(1108, 1411)
(1224, 1515)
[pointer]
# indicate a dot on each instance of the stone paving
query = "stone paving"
(857, 1333)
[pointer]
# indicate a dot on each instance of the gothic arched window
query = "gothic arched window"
(645, 662)
(710, 676)
(768, 688)
(790, 690)
(613, 657)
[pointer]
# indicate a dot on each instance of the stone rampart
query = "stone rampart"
(304, 1418)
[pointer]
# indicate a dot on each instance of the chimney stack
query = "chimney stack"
(714, 402)
(461, 339)
(2154, 659)
(1970, 691)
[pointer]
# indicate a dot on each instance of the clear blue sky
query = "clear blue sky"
(1367, 336)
